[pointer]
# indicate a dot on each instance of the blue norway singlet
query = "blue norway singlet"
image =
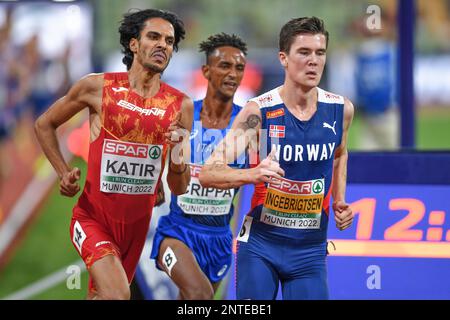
(206, 206)
(297, 206)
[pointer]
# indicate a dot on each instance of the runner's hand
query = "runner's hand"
(160, 197)
(343, 215)
(267, 169)
(68, 186)
(176, 132)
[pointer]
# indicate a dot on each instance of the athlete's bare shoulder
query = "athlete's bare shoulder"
(249, 117)
(88, 91)
(188, 100)
(187, 112)
(187, 104)
(92, 82)
(252, 106)
(349, 111)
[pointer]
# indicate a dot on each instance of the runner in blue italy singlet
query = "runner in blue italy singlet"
(201, 217)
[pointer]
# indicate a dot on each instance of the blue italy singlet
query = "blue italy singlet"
(206, 206)
(200, 218)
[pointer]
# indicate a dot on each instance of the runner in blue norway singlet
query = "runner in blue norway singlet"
(201, 217)
(283, 238)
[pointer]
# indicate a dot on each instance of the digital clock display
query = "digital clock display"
(403, 232)
(396, 221)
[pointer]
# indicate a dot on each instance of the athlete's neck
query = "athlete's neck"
(144, 82)
(216, 109)
(299, 98)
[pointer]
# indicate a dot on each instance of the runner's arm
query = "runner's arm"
(341, 156)
(84, 93)
(342, 212)
(242, 137)
(179, 174)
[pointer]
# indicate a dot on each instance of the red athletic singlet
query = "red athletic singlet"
(125, 164)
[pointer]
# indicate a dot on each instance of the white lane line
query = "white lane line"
(23, 209)
(37, 189)
(45, 283)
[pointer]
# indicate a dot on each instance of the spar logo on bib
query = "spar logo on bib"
(126, 149)
(154, 152)
(317, 187)
(130, 168)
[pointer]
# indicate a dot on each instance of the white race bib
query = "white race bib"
(204, 201)
(130, 168)
(293, 204)
(244, 234)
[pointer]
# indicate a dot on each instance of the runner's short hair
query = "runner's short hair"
(304, 25)
(222, 40)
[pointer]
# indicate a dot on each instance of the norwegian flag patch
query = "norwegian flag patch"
(276, 131)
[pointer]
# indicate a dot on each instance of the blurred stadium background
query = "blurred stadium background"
(47, 45)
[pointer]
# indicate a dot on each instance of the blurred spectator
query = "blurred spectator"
(375, 84)
(29, 83)
(46, 79)
(12, 89)
(433, 25)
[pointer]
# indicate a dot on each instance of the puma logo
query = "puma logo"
(119, 89)
(326, 125)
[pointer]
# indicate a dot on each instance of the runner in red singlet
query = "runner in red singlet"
(136, 121)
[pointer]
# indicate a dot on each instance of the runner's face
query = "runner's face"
(225, 70)
(155, 46)
(306, 59)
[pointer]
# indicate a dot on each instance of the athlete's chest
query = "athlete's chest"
(130, 117)
(205, 140)
(305, 141)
